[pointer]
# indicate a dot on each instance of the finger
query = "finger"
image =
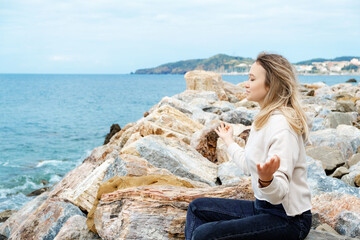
(277, 163)
(258, 167)
(222, 124)
(276, 159)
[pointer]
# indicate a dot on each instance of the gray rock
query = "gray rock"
(117, 168)
(247, 104)
(240, 115)
(353, 160)
(46, 221)
(175, 103)
(344, 138)
(345, 106)
(318, 124)
(175, 156)
(339, 172)
(350, 178)
(347, 223)
(6, 214)
(17, 219)
(323, 112)
(189, 95)
(322, 100)
(334, 119)
(349, 134)
(326, 228)
(204, 118)
(75, 228)
(229, 172)
(321, 235)
(330, 158)
(319, 182)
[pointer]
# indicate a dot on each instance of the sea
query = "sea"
(49, 123)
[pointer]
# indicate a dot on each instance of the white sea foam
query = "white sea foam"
(48, 162)
(55, 179)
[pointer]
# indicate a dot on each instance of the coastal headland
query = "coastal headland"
(230, 65)
(139, 183)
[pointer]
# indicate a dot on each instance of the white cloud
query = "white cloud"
(114, 31)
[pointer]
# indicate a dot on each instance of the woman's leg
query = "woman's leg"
(205, 210)
(263, 226)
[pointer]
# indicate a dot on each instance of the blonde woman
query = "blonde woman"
(274, 156)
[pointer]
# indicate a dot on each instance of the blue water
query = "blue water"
(50, 123)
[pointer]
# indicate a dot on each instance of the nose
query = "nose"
(247, 85)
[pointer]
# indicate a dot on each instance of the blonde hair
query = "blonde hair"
(283, 93)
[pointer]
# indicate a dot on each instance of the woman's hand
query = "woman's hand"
(267, 171)
(225, 132)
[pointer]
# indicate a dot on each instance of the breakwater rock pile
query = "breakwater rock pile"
(139, 184)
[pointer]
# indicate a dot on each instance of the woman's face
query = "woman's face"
(255, 86)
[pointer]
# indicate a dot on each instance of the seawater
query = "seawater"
(50, 123)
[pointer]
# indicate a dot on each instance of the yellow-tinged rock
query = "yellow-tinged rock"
(118, 183)
(85, 192)
(120, 138)
(80, 185)
(206, 81)
(168, 122)
(156, 211)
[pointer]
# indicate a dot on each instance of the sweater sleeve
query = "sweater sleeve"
(286, 146)
(237, 154)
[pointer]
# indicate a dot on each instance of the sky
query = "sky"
(116, 36)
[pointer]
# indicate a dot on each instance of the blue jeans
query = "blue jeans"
(220, 218)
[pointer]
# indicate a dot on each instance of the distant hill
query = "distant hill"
(218, 63)
(221, 63)
(338, 59)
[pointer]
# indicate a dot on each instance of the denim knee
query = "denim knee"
(201, 233)
(196, 202)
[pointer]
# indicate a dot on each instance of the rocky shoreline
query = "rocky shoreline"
(139, 184)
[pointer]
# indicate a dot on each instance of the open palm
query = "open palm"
(267, 171)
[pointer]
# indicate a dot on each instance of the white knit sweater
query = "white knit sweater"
(289, 185)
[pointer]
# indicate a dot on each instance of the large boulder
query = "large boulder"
(46, 221)
(155, 212)
(75, 228)
(169, 122)
(15, 221)
(119, 183)
(330, 158)
(177, 157)
(240, 115)
(205, 81)
(334, 119)
(320, 183)
(80, 185)
(344, 138)
(351, 178)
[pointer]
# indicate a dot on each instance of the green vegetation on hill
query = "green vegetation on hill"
(221, 63)
(217, 63)
(338, 59)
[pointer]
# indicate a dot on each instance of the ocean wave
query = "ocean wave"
(55, 179)
(6, 192)
(14, 202)
(48, 162)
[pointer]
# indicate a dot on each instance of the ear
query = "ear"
(267, 88)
